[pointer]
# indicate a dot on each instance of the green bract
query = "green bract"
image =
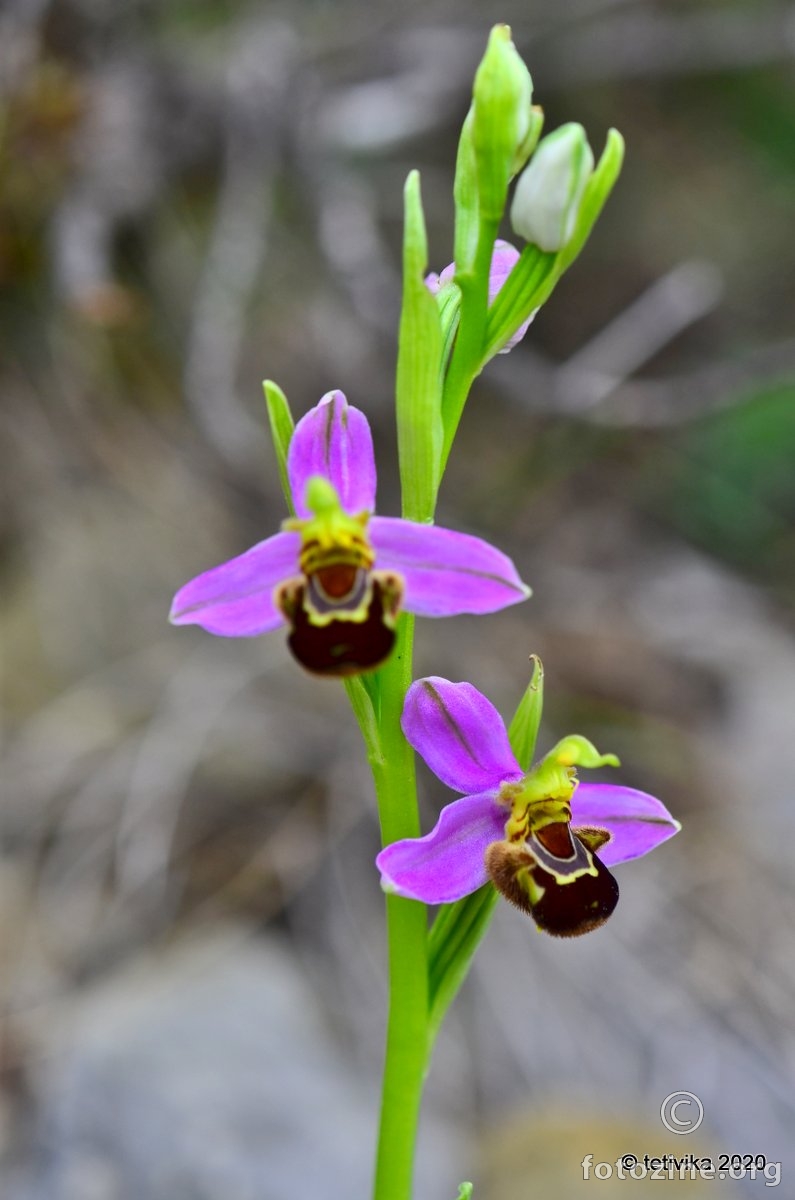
(418, 385)
(282, 426)
(465, 195)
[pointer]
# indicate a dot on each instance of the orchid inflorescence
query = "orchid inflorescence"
(346, 583)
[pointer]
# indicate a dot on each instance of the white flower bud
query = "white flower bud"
(547, 197)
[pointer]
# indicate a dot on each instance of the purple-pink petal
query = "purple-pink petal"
(448, 862)
(460, 735)
(445, 572)
(333, 440)
(636, 821)
(503, 260)
(236, 598)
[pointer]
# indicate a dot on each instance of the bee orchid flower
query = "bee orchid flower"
(336, 574)
(544, 839)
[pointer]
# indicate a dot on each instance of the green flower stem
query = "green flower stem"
(407, 1040)
(460, 377)
(406, 1059)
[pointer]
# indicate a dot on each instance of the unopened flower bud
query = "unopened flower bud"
(547, 199)
(502, 121)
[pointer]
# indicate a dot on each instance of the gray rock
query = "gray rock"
(207, 1073)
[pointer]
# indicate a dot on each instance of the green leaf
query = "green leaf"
(282, 426)
(455, 935)
(523, 730)
(464, 1192)
(419, 418)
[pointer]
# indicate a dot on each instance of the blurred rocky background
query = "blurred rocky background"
(196, 194)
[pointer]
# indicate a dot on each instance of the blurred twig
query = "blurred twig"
(665, 309)
(257, 77)
(594, 384)
(659, 42)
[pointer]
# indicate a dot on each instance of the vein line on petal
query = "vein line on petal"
(327, 436)
(395, 559)
(199, 605)
(457, 732)
(627, 819)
